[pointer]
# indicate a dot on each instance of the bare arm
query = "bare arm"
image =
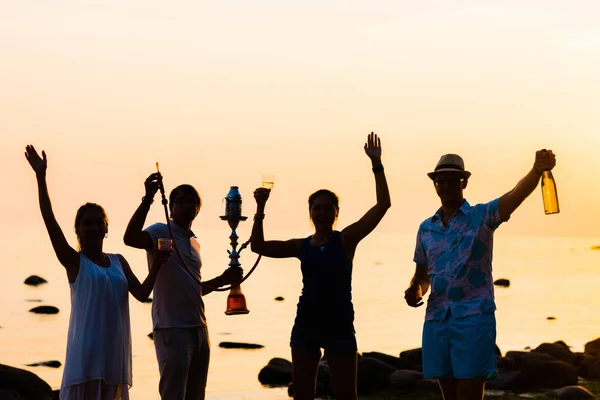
(509, 202)
(141, 291)
(134, 234)
(67, 256)
(270, 248)
(354, 233)
(419, 285)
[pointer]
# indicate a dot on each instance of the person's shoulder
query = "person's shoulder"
(156, 227)
(485, 206)
(426, 222)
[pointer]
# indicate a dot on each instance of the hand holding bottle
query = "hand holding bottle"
(545, 160)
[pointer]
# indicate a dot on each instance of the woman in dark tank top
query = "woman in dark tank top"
(325, 315)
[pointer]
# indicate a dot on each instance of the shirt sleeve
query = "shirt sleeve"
(156, 231)
(420, 257)
(492, 214)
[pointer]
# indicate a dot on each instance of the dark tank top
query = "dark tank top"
(326, 299)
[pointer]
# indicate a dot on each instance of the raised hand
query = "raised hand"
(152, 184)
(160, 257)
(373, 146)
(232, 276)
(261, 195)
(545, 160)
(39, 164)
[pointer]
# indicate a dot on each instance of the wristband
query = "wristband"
(145, 200)
(377, 169)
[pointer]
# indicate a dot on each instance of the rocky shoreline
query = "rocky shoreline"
(549, 367)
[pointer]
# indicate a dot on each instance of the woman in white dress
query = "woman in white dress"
(98, 360)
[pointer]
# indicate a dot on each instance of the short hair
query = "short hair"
(183, 189)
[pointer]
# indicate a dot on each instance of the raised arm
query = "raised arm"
(354, 233)
(67, 256)
(141, 291)
(270, 248)
(509, 202)
(134, 234)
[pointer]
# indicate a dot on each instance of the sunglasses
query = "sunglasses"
(446, 182)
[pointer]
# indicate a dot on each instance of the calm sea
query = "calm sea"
(557, 277)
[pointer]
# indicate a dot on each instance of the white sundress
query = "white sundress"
(98, 361)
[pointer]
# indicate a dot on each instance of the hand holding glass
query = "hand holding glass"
(268, 181)
(164, 244)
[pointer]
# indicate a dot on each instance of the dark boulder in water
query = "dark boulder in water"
(592, 348)
(22, 384)
(279, 298)
(502, 282)
(236, 345)
(558, 350)
(373, 375)
(35, 280)
(590, 367)
(573, 393)
(278, 372)
(51, 364)
(405, 379)
(44, 310)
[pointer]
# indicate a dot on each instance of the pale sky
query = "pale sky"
(221, 92)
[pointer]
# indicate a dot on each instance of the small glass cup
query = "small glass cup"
(164, 244)
(268, 181)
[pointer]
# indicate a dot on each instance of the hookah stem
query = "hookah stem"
(187, 267)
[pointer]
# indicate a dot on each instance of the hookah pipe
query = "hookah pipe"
(236, 301)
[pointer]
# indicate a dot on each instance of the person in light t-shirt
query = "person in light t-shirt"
(180, 331)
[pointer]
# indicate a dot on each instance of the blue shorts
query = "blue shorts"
(460, 347)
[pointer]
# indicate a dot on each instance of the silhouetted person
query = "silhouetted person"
(180, 331)
(325, 315)
(98, 360)
(453, 255)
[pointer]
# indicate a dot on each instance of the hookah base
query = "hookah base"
(236, 312)
(236, 304)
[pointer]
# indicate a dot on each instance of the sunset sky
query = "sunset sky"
(221, 92)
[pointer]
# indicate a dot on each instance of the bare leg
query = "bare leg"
(470, 389)
(305, 364)
(449, 388)
(343, 374)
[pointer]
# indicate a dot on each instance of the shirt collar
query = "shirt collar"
(180, 231)
(463, 209)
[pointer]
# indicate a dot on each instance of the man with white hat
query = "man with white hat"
(453, 256)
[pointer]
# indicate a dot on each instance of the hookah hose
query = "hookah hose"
(187, 267)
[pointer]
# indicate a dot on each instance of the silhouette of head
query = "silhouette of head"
(91, 225)
(184, 203)
(323, 206)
